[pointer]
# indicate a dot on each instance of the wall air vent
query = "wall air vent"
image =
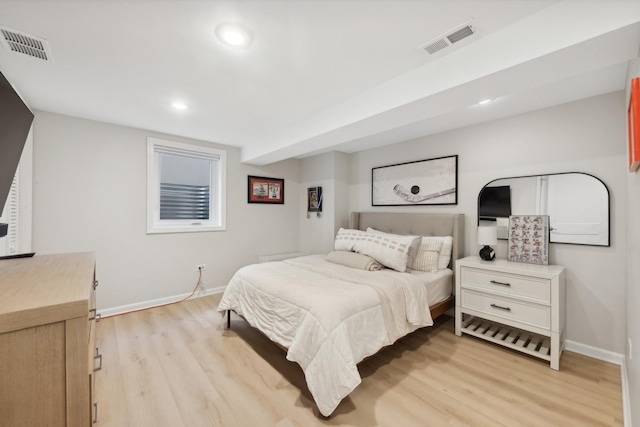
(18, 42)
(452, 36)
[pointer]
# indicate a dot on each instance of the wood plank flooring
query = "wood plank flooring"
(177, 366)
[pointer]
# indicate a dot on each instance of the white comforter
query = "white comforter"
(329, 316)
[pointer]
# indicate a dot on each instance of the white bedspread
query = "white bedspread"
(329, 316)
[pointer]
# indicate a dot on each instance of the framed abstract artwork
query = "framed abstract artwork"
(423, 182)
(633, 125)
(529, 239)
(265, 190)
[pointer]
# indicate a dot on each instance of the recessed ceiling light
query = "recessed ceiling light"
(177, 105)
(485, 101)
(234, 35)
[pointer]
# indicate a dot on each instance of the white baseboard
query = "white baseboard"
(157, 302)
(596, 353)
(280, 257)
(626, 400)
(611, 357)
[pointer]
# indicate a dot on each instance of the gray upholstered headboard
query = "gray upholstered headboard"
(417, 224)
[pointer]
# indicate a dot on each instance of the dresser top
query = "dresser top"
(502, 265)
(44, 289)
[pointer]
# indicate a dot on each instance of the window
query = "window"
(17, 211)
(11, 217)
(185, 187)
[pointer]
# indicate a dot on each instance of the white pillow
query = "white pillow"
(428, 254)
(413, 249)
(444, 256)
(346, 239)
(390, 250)
(445, 252)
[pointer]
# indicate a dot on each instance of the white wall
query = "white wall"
(341, 199)
(329, 171)
(584, 136)
(89, 194)
(633, 275)
(315, 233)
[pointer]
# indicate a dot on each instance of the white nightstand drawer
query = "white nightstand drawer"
(518, 311)
(511, 285)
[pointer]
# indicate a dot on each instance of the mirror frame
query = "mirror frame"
(558, 173)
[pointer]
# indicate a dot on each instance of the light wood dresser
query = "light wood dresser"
(47, 341)
(520, 306)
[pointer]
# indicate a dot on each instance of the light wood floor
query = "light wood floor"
(177, 366)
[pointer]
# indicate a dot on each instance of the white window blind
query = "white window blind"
(11, 243)
(13, 232)
(182, 201)
(17, 210)
(186, 187)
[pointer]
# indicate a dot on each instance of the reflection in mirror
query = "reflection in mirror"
(577, 205)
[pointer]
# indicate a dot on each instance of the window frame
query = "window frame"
(217, 193)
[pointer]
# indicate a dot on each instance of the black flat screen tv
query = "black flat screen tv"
(494, 202)
(15, 122)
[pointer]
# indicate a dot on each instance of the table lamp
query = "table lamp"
(487, 235)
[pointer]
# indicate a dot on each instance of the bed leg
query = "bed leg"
(228, 319)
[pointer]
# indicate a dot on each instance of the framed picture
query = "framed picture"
(633, 123)
(424, 182)
(529, 239)
(265, 190)
(314, 199)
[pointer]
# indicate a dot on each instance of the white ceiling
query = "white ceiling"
(321, 74)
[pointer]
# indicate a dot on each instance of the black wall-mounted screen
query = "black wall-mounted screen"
(15, 122)
(494, 202)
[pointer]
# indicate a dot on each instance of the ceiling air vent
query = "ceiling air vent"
(452, 36)
(25, 44)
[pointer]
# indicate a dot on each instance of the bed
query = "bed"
(329, 315)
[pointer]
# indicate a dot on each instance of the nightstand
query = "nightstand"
(517, 305)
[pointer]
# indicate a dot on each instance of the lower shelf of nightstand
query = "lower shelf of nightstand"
(508, 336)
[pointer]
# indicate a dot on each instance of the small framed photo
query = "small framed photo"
(265, 190)
(314, 199)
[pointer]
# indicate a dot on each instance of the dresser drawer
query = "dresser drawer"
(517, 311)
(91, 315)
(510, 285)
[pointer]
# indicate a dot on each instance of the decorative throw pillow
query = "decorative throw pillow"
(413, 249)
(428, 254)
(444, 257)
(445, 252)
(346, 239)
(354, 260)
(390, 250)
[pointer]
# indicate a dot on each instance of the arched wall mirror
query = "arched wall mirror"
(577, 204)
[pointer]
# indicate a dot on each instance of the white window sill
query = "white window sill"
(185, 229)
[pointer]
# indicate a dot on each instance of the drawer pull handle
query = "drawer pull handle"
(95, 412)
(98, 356)
(95, 284)
(500, 307)
(495, 282)
(92, 313)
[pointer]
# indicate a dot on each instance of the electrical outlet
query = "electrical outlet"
(630, 349)
(201, 267)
